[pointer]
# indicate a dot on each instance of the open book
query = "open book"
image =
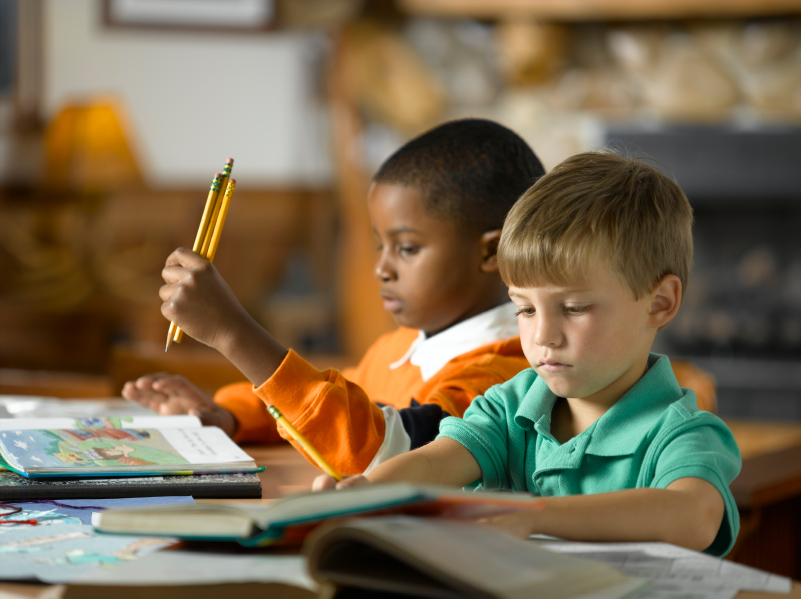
(444, 559)
(383, 556)
(289, 520)
(122, 446)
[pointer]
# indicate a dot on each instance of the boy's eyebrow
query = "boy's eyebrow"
(403, 229)
(558, 290)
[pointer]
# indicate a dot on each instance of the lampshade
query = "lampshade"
(87, 149)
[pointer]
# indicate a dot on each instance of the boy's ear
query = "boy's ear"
(489, 250)
(665, 301)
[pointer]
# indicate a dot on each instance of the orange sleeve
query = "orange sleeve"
(700, 381)
(334, 414)
(459, 383)
(254, 423)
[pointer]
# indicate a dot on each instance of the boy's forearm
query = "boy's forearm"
(674, 515)
(253, 351)
(442, 462)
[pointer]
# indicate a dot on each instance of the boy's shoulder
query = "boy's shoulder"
(509, 348)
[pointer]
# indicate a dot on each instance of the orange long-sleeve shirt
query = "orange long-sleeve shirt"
(340, 412)
(337, 411)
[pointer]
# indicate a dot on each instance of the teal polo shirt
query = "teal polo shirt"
(650, 437)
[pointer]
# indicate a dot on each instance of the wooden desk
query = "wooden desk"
(768, 495)
(770, 478)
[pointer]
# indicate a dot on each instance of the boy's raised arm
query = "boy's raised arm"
(199, 301)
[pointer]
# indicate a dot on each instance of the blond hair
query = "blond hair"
(598, 204)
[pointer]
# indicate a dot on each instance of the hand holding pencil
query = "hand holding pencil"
(205, 248)
(198, 300)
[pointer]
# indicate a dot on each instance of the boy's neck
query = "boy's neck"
(573, 415)
(491, 302)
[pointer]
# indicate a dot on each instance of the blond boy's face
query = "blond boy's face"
(589, 339)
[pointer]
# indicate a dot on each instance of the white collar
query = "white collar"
(432, 353)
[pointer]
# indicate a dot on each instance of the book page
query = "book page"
(206, 445)
(58, 553)
(674, 569)
(113, 450)
(184, 567)
(30, 406)
(466, 556)
(150, 421)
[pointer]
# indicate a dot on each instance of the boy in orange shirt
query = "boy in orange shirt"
(437, 207)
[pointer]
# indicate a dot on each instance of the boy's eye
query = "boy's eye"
(525, 312)
(576, 309)
(408, 250)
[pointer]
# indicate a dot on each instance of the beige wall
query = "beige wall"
(194, 99)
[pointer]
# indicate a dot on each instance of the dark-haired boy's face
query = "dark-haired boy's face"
(431, 274)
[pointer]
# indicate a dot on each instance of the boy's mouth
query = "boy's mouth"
(552, 366)
(391, 303)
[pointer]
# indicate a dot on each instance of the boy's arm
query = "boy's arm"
(335, 415)
(688, 513)
(198, 300)
(443, 462)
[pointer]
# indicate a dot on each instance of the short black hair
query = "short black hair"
(470, 171)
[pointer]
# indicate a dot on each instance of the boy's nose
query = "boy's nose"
(546, 333)
(383, 270)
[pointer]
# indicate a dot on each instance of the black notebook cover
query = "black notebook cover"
(240, 485)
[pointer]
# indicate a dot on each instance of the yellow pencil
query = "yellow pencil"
(203, 241)
(218, 226)
(204, 248)
(308, 447)
(201, 235)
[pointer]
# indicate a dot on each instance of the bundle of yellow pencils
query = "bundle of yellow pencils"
(211, 225)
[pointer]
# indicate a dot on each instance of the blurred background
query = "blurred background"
(115, 114)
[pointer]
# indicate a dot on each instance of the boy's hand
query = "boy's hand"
(198, 300)
(521, 523)
(325, 482)
(168, 394)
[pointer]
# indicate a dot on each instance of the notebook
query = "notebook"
(288, 520)
(234, 485)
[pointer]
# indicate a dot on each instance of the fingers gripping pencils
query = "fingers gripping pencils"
(210, 229)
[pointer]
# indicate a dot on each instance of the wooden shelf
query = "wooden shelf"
(600, 10)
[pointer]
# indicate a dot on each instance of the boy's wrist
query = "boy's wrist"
(252, 350)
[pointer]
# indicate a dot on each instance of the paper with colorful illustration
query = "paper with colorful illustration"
(110, 451)
(59, 553)
(148, 421)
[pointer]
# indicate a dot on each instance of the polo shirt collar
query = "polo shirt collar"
(625, 425)
(430, 354)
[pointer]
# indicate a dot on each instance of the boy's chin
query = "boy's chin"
(402, 320)
(558, 385)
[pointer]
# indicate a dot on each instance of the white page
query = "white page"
(207, 445)
(29, 406)
(491, 560)
(149, 421)
(666, 563)
(187, 567)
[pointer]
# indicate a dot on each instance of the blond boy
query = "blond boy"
(597, 255)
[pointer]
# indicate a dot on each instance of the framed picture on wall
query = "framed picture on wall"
(204, 15)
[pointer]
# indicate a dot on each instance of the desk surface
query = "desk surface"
(760, 443)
